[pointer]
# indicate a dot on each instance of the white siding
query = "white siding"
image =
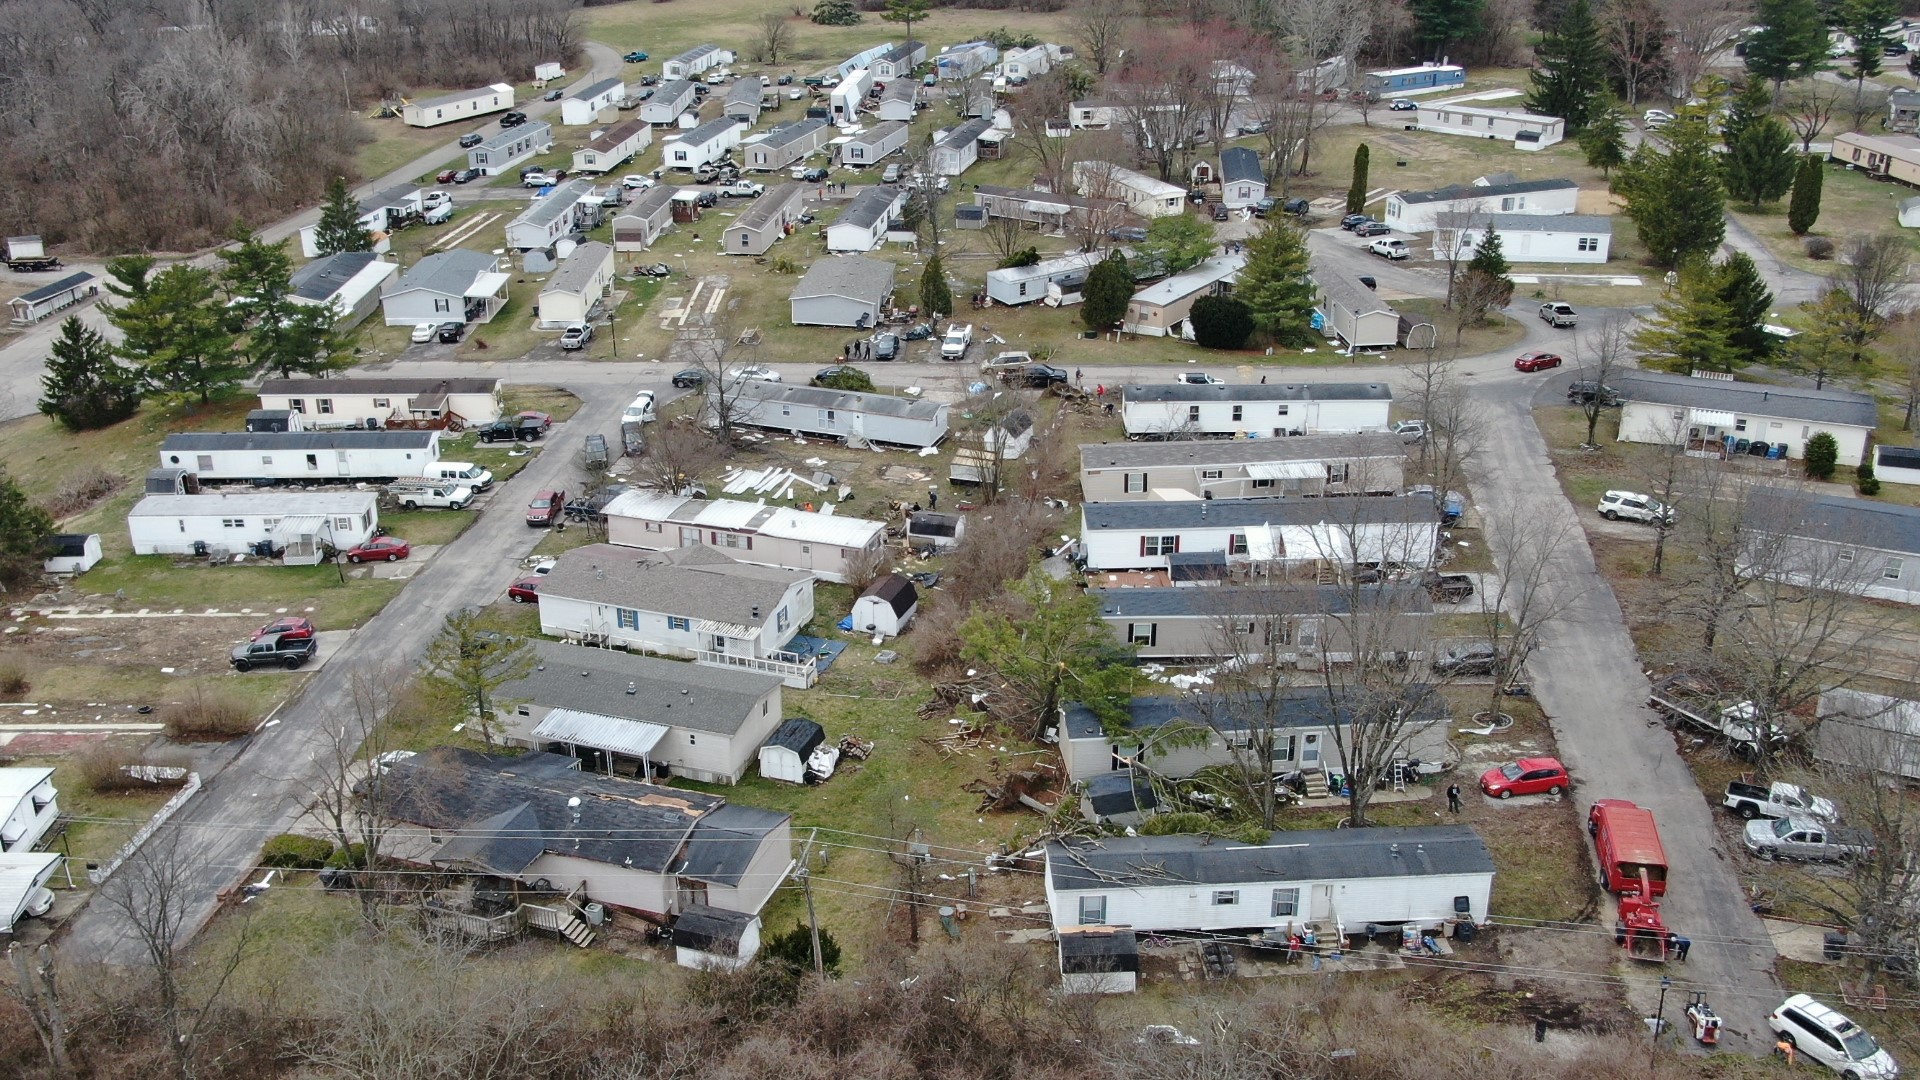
(1263, 417)
(1647, 422)
(1427, 900)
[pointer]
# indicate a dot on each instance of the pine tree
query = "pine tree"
(1221, 322)
(1823, 453)
(936, 296)
(85, 387)
(1791, 42)
(276, 333)
(1494, 285)
(1675, 195)
(1760, 162)
(175, 329)
(1748, 302)
(1357, 191)
(24, 532)
(1804, 209)
(1570, 73)
(1109, 287)
(1277, 284)
(1604, 139)
(908, 12)
(1864, 20)
(340, 228)
(1753, 103)
(1692, 329)
(1440, 23)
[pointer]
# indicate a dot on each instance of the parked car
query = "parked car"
(649, 80)
(434, 199)
(1258, 127)
(890, 174)
(1127, 234)
(535, 180)
(886, 346)
(1476, 659)
(553, 95)
(639, 410)
(1354, 221)
(1827, 1037)
(1451, 507)
(515, 430)
(1372, 228)
(1634, 506)
(742, 189)
(1585, 390)
(421, 334)
(380, 549)
(1778, 799)
(445, 176)
(635, 57)
(757, 371)
(956, 342)
(1657, 118)
(1201, 378)
(689, 379)
(449, 333)
(546, 508)
(814, 175)
(466, 176)
(1797, 836)
(525, 591)
(272, 651)
(1537, 361)
(716, 78)
(1527, 776)
(1264, 207)
(545, 420)
(832, 371)
(636, 182)
(471, 139)
(512, 119)
(1221, 213)
(576, 337)
(1559, 314)
(1402, 105)
(1391, 249)
(1410, 431)
(292, 627)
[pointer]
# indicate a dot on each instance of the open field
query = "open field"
(1851, 204)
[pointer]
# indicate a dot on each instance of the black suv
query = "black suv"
(516, 429)
(1037, 376)
(1584, 391)
(450, 333)
(886, 346)
(282, 649)
(513, 119)
(814, 176)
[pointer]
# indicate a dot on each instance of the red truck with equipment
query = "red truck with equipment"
(1633, 864)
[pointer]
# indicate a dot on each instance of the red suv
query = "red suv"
(1528, 776)
(1536, 361)
(290, 628)
(545, 508)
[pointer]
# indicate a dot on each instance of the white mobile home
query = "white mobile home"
(957, 150)
(1525, 130)
(843, 290)
(844, 100)
(744, 101)
(964, 61)
(551, 217)
(1182, 410)
(584, 106)
(669, 100)
(785, 144)
(703, 145)
(1727, 418)
(774, 215)
(899, 101)
(573, 293)
(1095, 115)
(862, 226)
(1143, 194)
(348, 282)
(820, 544)
(294, 521)
(1050, 211)
(32, 306)
(696, 61)
(336, 402)
(1161, 309)
(1298, 625)
(510, 147)
(1242, 468)
(1527, 238)
(859, 418)
(1354, 313)
(1306, 533)
(1856, 547)
(451, 108)
(1859, 730)
(548, 72)
(899, 61)
(1026, 284)
(874, 144)
(1028, 63)
(1421, 211)
(644, 219)
(1242, 181)
(29, 805)
(301, 455)
(614, 147)
(862, 59)
(447, 286)
(1332, 880)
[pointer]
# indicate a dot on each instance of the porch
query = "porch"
(792, 669)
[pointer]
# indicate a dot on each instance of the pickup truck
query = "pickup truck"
(1699, 704)
(595, 454)
(1447, 588)
(742, 189)
(286, 650)
(1797, 837)
(520, 429)
(958, 339)
(1390, 248)
(1777, 800)
(1559, 314)
(444, 495)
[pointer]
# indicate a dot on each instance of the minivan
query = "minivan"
(466, 472)
(1829, 1038)
(890, 175)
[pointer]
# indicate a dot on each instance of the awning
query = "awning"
(1037, 207)
(1287, 470)
(301, 526)
(1710, 417)
(486, 285)
(732, 630)
(634, 738)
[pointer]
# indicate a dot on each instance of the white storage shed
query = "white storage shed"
(784, 755)
(887, 607)
(71, 553)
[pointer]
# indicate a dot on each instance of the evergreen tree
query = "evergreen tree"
(1751, 104)
(1791, 42)
(1692, 329)
(794, 950)
(1823, 453)
(908, 12)
(1357, 191)
(1604, 139)
(470, 661)
(1177, 242)
(1748, 302)
(25, 530)
(175, 327)
(340, 229)
(1277, 284)
(1864, 20)
(1760, 162)
(130, 277)
(936, 297)
(277, 334)
(1221, 322)
(1439, 23)
(1570, 70)
(1489, 272)
(1675, 195)
(1109, 287)
(1804, 208)
(1833, 343)
(835, 13)
(85, 387)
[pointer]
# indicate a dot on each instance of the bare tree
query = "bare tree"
(1666, 471)
(1162, 95)
(1872, 273)
(677, 451)
(1809, 107)
(1701, 33)
(1635, 34)
(344, 792)
(1007, 236)
(1866, 103)
(38, 993)
(1045, 102)
(1101, 26)
(1902, 345)
(775, 38)
(1528, 592)
(1606, 351)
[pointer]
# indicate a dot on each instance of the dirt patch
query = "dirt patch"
(1571, 1006)
(191, 646)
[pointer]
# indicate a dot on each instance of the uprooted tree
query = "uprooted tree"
(1042, 645)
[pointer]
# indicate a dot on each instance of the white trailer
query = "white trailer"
(301, 456)
(294, 522)
(1186, 410)
(452, 108)
(844, 414)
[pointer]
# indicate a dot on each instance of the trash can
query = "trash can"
(1464, 930)
(1833, 946)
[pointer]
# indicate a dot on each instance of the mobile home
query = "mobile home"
(509, 147)
(862, 226)
(859, 418)
(348, 282)
(703, 145)
(669, 100)
(744, 101)
(336, 402)
(696, 61)
(957, 150)
(1308, 533)
(456, 285)
(821, 544)
(785, 144)
(573, 293)
(1406, 82)
(774, 214)
(1143, 194)
(551, 217)
(293, 521)
(1525, 130)
(899, 101)
(1353, 313)
(1161, 309)
(874, 144)
(1026, 284)
(614, 147)
(899, 61)
(452, 108)
(585, 105)
(1183, 410)
(844, 100)
(1370, 464)
(1421, 211)
(964, 61)
(1893, 157)
(334, 456)
(644, 219)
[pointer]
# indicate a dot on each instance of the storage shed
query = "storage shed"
(1355, 314)
(1026, 284)
(859, 418)
(31, 307)
(936, 529)
(584, 106)
(349, 282)
(1099, 959)
(669, 100)
(785, 144)
(703, 145)
(301, 455)
(509, 147)
(887, 607)
(773, 216)
(614, 147)
(784, 755)
(573, 293)
(862, 226)
(234, 523)
(71, 553)
(711, 937)
(644, 219)
(875, 143)
(451, 108)
(844, 290)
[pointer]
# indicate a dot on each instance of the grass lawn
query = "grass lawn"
(392, 143)
(156, 581)
(1851, 205)
(101, 821)
(430, 526)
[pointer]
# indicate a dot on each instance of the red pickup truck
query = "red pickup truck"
(545, 508)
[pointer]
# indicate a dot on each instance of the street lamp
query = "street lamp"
(1659, 1021)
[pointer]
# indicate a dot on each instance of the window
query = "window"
(692, 739)
(1093, 911)
(266, 459)
(734, 540)
(1237, 411)
(1280, 410)
(1159, 545)
(1211, 474)
(654, 527)
(274, 523)
(1589, 243)
(298, 405)
(1264, 483)
(442, 304)
(1237, 544)
(1740, 424)
(781, 619)
(806, 549)
(677, 622)
(1286, 902)
(1892, 569)
(1846, 556)
(381, 403)
(1337, 474)
(1023, 288)
(325, 405)
(1193, 414)
(1507, 204)
(341, 524)
(1226, 897)
(1143, 633)
(233, 523)
(1133, 482)
(1283, 748)
(627, 618)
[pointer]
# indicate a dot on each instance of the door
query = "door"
(1320, 908)
(1310, 751)
(340, 463)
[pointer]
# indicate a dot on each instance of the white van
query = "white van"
(640, 410)
(465, 472)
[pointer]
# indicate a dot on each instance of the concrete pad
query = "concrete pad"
(1797, 940)
(405, 568)
(331, 642)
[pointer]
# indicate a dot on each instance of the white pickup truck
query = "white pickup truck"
(1777, 800)
(958, 339)
(418, 495)
(1559, 314)
(1390, 248)
(742, 189)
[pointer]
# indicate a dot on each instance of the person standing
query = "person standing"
(933, 498)
(1078, 377)
(1453, 797)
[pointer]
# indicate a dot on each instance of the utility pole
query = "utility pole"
(806, 886)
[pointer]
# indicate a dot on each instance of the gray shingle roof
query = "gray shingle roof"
(1490, 191)
(1230, 513)
(769, 207)
(880, 133)
(1593, 224)
(618, 134)
(672, 91)
(821, 397)
(669, 693)
(321, 278)
(870, 207)
(1191, 392)
(694, 53)
(554, 205)
(399, 195)
(577, 270)
(594, 89)
(711, 930)
(1347, 291)
(533, 129)
(48, 292)
(959, 137)
(852, 276)
(1851, 522)
(694, 582)
(651, 201)
(797, 734)
(1840, 407)
(450, 272)
(899, 52)
(1174, 603)
(747, 91)
(1239, 163)
(1207, 452)
(1316, 855)
(901, 89)
(724, 843)
(791, 131)
(384, 387)
(710, 130)
(191, 442)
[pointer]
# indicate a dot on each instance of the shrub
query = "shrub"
(14, 678)
(835, 13)
(848, 379)
(1221, 322)
(1823, 453)
(291, 851)
(104, 768)
(208, 715)
(81, 489)
(1818, 247)
(351, 857)
(1864, 478)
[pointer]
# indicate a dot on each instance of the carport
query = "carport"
(609, 736)
(486, 296)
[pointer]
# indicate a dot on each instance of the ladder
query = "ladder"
(1399, 776)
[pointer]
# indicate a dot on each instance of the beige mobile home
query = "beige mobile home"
(1371, 464)
(822, 544)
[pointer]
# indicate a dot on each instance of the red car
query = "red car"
(445, 176)
(389, 548)
(545, 508)
(525, 591)
(1536, 361)
(546, 420)
(1528, 776)
(291, 628)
